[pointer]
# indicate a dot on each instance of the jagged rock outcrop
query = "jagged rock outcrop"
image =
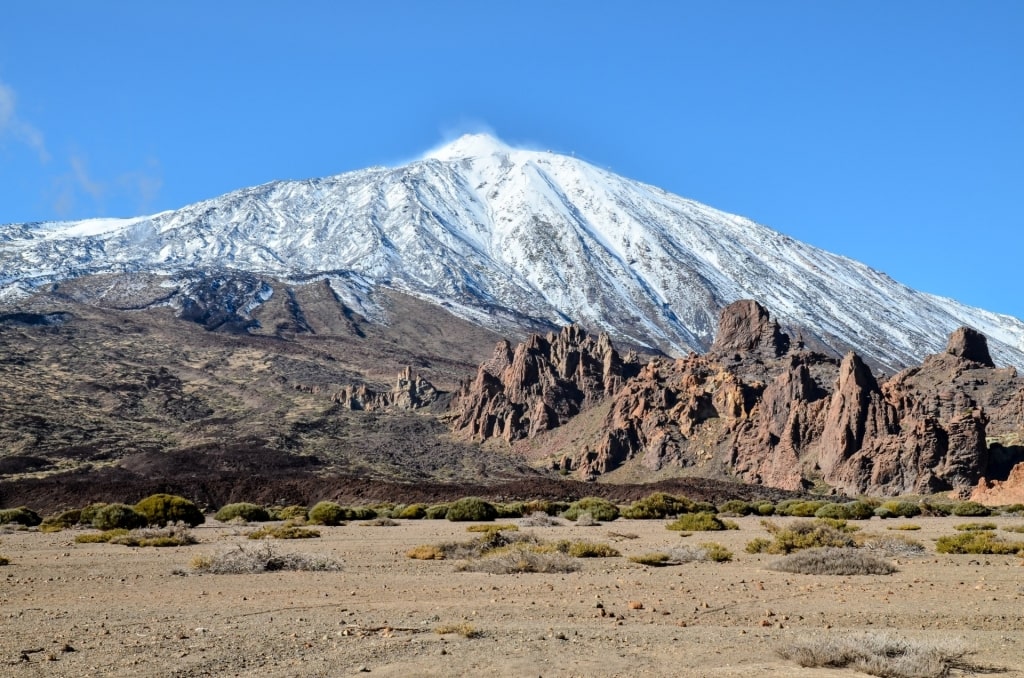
(537, 386)
(411, 392)
(762, 409)
(1001, 492)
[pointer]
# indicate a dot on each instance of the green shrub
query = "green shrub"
(552, 508)
(410, 512)
(905, 526)
(61, 521)
(586, 549)
(495, 527)
(834, 511)
(365, 512)
(262, 558)
(971, 509)
(859, 510)
(437, 511)
(511, 510)
(170, 535)
(766, 509)
(293, 512)
(20, 516)
(118, 516)
(327, 513)
(801, 509)
(939, 509)
(89, 513)
(698, 522)
(902, 509)
(977, 542)
(969, 527)
(599, 509)
(738, 507)
(286, 531)
(160, 509)
(716, 553)
(100, 537)
(250, 513)
(1013, 509)
(802, 534)
(656, 506)
(884, 513)
(651, 559)
(471, 509)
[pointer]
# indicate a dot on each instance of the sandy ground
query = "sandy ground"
(70, 609)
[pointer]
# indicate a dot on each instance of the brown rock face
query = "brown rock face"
(1001, 493)
(755, 410)
(411, 392)
(537, 386)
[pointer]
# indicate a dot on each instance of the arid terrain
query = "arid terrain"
(71, 609)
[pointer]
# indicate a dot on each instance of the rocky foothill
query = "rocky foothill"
(761, 408)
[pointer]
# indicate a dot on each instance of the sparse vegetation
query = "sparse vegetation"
(426, 552)
(250, 513)
(586, 549)
(879, 654)
(511, 510)
(971, 527)
(117, 516)
(161, 509)
(261, 558)
(100, 537)
(585, 519)
(465, 630)
(540, 519)
(20, 516)
(410, 512)
(657, 559)
(379, 522)
(700, 522)
(286, 531)
(327, 513)
(61, 521)
(437, 511)
(89, 513)
(599, 509)
(170, 535)
(802, 534)
(895, 508)
(830, 560)
(552, 508)
(1019, 529)
(892, 545)
(496, 527)
(738, 507)
(905, 527)
(520, 560)
(657, 505)
(471, 509)
(798, 508)
(852, 510)
(971, 509)
(978, 542)
(293, 512)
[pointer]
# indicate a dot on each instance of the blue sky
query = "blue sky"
(890, 132)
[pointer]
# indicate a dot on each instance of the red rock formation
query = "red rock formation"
(410, 392)
(1001, 493)
(537, 386)
(756, 410)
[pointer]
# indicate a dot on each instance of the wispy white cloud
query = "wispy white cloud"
(135, 190)
(14, 127)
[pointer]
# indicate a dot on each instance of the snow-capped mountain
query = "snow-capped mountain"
(488, 230)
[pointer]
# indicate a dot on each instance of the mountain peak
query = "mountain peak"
(469, 146)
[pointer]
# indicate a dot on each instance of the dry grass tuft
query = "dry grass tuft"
(540, 519)
(426, 552)
(380, 522)
(495, 527)
(519, 560)
(892, 545)
(978, 542)
(802, 534)
(830, 560)
(288, 530)
(262, 558)
(465, 630)
(880, 654)
(652, 559)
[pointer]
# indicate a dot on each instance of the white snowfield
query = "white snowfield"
(484, 228)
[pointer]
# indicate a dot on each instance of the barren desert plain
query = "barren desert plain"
(78, 609)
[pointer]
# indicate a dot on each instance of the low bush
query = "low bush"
(938, 509)
(365, 512)
(410, 512)
(657, 505)
(293, 512)
(906, 527)
(471, 509)
(901, 509)
(379, 522)
(511, 510)
(117, 516)
(830, 560)
(464, 630)
(766, 509)
(800, 509)
(327, 513)
(100, 537)
(586, 549)
(552, 508)
(250, 513)
(834, 511)
(515, 561)
(4, 560)
(879, 654)
(61, 521)
(496, 527)
(437, 511)
(262, 558)
(971, 509)
(892, 545)
(20, 516)
(700, 522)
(1013, 509)
(977, 542)
(1015, 528)
(286, 531)
(170, 535)
(89, 513)
(738, 507)
(971, 527)
(800, 535)
(161, 509)
(540, 519)
(426, 552)
(599, 509)
(652, 559)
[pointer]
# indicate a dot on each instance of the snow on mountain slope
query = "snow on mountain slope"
(479, 226)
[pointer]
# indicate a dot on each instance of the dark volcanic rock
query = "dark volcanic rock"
(410, 392)
(745, 327)
(970, 345)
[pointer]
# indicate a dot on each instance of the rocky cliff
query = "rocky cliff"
(761, 408)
